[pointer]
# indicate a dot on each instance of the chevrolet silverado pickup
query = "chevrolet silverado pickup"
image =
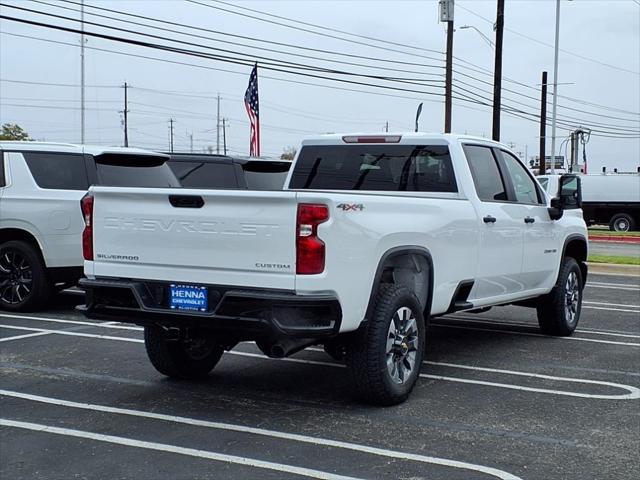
(372, 236)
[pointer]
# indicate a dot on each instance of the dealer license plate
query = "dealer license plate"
(188, 297)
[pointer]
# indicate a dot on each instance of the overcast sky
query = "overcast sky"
(599, 72)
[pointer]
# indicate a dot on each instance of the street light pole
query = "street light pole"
(555, 90)
(497, 72)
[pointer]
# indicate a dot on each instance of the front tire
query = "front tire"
(559, 310)
(384, 359)
(24, 284)
(622, 223)
(190, 358)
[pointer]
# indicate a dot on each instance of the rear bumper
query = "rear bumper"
(247, 314)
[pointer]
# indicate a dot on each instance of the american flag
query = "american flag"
(252, 105)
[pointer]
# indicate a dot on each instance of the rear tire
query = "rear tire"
(384, 359)
(24, 283)
(559, 310)
(186, 358)
(622, 223)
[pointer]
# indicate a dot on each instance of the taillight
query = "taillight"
(310, 250)
(86, 205)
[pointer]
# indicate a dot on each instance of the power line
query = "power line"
(175, 62)
(326, 35)
(265, 62)
(215, 57)
(589, 59)
(228, 42)
(244, 37)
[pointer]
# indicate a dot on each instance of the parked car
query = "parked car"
(222, 171)
(41, 224)
(373, 235)
(611, 199)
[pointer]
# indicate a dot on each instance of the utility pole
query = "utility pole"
(497, 71)
(386, 127)
(543, 124)
(82, 110)
(171, 135)
(224, 135)
(218, 128)
(191, 142)
(446, 15)
(555, 90)
(126, 110)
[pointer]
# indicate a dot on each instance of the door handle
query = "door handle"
(489, 219)
(529, 220)
(186, 201)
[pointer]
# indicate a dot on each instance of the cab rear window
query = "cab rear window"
(393, 168)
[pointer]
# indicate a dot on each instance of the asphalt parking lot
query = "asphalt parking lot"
(79, 399)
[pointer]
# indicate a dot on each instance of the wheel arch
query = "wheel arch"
(12, 233)
(576, 246)
(411, 266)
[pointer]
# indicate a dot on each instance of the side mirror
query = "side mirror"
(570, 192)
(555, 210)
(569, 196)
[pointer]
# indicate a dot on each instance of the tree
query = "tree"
(288, 154)
(13, 131)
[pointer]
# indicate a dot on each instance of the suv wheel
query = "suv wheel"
(24, 285)
(622, 223)
(187, 357)
(559, 311)
(384, 360)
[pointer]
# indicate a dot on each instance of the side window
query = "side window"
(3, 181)
(523, 184)
(486, 174)
(63, 171)
(205, 174)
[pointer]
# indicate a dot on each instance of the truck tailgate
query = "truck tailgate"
(221, 237)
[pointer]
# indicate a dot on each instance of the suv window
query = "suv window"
(205, 174)
(263, 175)
(417, 168)
(486, 174)
(523, 184)
(122, 170)
(64, 171)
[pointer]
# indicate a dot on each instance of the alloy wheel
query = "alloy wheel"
(402, 345)
(16, 277)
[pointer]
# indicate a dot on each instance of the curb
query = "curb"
(614, 269)
(614, 239)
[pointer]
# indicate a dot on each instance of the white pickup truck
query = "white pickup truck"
(373, 235)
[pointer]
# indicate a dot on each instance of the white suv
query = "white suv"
(41, 185)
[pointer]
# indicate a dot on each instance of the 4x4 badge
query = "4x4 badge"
(347, 207)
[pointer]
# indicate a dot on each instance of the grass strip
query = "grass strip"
(619, 260)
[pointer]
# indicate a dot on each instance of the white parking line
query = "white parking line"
(610, 309)
(528, 325)
(611, 304)
(19, 337)
(325, 442)
(74, 322)
(610, 284)
(633, 391)
(625, 288)
(163, 447)
(71, 334)
(528, 334)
